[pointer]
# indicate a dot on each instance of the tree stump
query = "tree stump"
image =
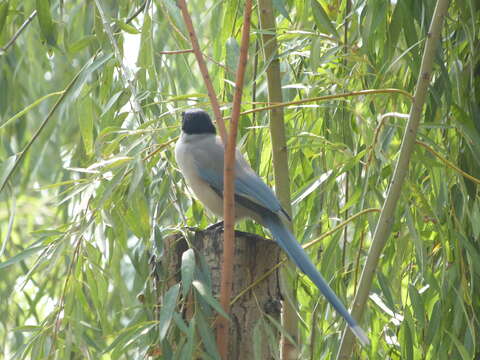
(254, 256)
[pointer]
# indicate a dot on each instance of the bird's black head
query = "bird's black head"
(197, 121)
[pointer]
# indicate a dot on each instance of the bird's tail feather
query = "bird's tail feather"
(296, 253)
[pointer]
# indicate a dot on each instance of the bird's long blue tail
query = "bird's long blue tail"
(290, 245)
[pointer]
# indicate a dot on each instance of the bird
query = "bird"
(199, 154)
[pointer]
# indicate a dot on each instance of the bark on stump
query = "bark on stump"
(254, 256)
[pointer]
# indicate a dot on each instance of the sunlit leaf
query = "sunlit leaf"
(321, 19)
(166, 313)
(205, 295)
(22, 256)
(279, 5)
(187, 269)
(127, 28)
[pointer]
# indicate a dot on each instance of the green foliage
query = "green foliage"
(84, 215)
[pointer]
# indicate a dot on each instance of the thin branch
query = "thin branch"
(309, 100)
(19, 31)
(174, 52)
(61, 303)
(229, 189)
(449, 163)
(385, 222)
(203, 69)
(29, 107)
(186, 51)
(254, 84)
(137, 12)
(327, 97)
(160, 148)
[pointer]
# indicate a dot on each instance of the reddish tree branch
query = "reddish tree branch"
(229, 189)
(203, 69)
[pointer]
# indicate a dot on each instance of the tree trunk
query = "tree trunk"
(254, 256)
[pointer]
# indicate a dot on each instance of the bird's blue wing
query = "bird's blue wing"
(248, 185)
(252, 188)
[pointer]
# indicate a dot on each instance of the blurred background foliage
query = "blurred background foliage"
(85, 212)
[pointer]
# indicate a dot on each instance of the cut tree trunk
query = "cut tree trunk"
(254, 256)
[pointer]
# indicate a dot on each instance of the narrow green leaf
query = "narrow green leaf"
(139, 206)
(232, 56)
(11, 220)
(127, 28)
(133, 340)
(394, 29)
(22, 256)
(85, 123)
(174, 11)
(111, 102)
(166, 314)
(419, 244)
(29, 107)
(434, 323)
(47, 26)
(3, 14)
(90, 67)
(125, 335)
(6, 168)
(257, 340)
(417, 304)
(145, 55)
(353, 200)
(187, 269)
(311, 187)
(207, 335)
(406, 338)
(205, 295)
(460, 347)
(108, 164)
(322, 20)
(384, 285)
(81, 44)
(157, 238)
(279, 5)
(179, 321)
(281, 330)
(466, 127)
(27, 328)
(408, 23)
(187, 353)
